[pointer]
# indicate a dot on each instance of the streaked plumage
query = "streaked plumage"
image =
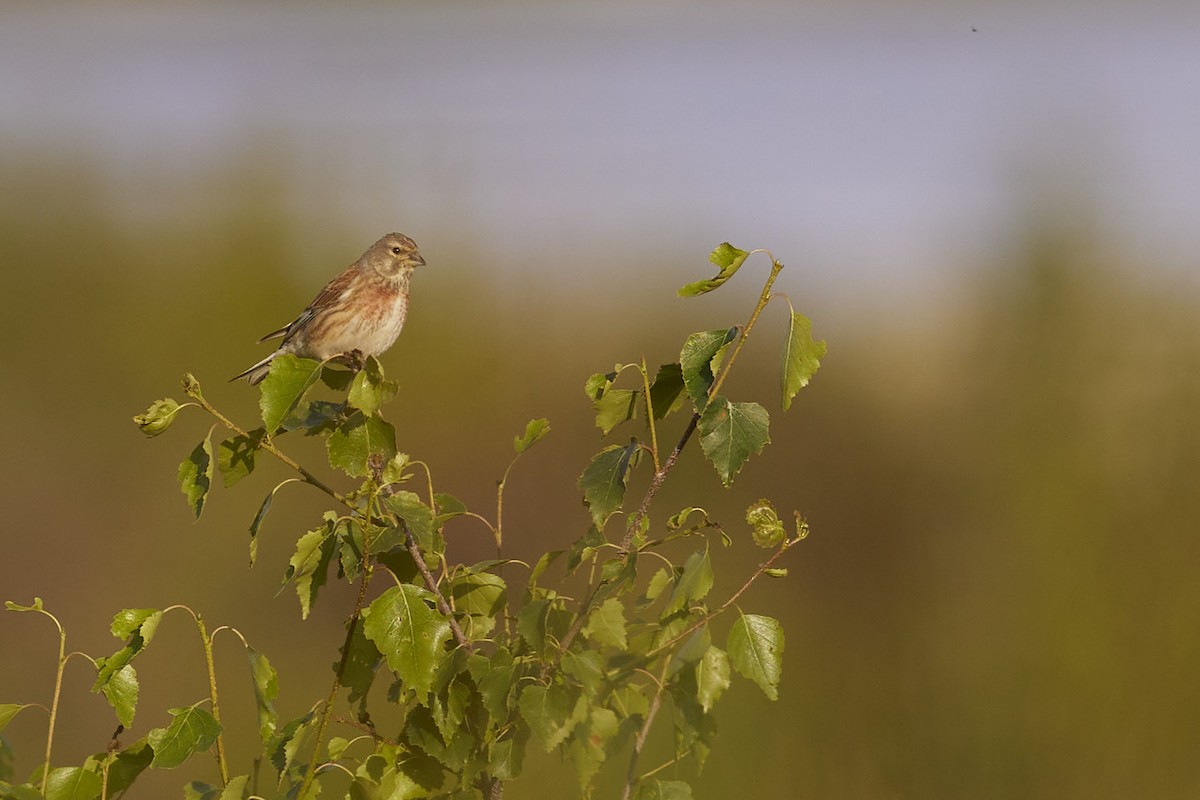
(361, 309)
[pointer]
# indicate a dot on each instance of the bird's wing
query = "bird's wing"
(326, 298)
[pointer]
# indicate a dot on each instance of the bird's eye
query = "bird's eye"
(396, 250)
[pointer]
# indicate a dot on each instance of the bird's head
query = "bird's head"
(393, 256)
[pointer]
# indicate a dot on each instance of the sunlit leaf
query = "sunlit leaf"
(801, 357)
(192, 730)
(730, 433)
(266, 689)
(7, 712)
(767, 527)
(235, 456)
(727, 259)
(589, 745)
(369, 390)
(128, 765)
(755, 647)
(693, 584)
(284, 387)
(356, 439)
(614, 407)
(712, 677)
(698, 361)
(121, 690)
(549, 710)
(410, 634)
(606, 624)
(309, 564)
(605, 479)
(196, 474)
(158, 417)
(534, 432)
(72, 783)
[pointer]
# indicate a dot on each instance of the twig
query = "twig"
(639, 742)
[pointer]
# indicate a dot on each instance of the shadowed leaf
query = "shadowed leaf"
(604, 480)
(698, 361)
(730, 433)
(196, 474)
(284, 387)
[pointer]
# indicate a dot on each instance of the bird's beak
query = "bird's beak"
(417, 260)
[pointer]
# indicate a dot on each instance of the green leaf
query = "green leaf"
(121, 690)
(505, 756)
(549, 712)
(196, 474)
(534, 432)
(755, 647)
(235, 456)
(417, 516)
(37, 605)
(369, 390)
(128, 765)
(142, 621)
(727, 259)
(362, 663)
(284, 387)
(7, 712)
(663, 790)
(699, 360)
(285, 744)
(478, 593)
(235, 789)
(356, 440)
(606, 624)
(614, 407)
(605, 479)
(72, 783)
(266, 689)
(730, 433)
(801, 357)
(767, 527)
(158, 417)
(693, 584)
(589, 746)
(666, 393)
(257, 522)
(712, 677)
(192, 730)
(309, 565)
(410, 634)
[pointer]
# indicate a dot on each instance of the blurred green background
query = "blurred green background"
(988, 210)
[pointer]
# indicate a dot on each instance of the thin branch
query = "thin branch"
(639, 742)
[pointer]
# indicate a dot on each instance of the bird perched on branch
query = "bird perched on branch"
(359, 312)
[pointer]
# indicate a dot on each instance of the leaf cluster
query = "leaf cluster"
(578, 653)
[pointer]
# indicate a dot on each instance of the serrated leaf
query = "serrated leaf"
(698, 361)
(755, 646)
(478, 593)
(362, 664)
(192, 730)
(72, 783)
(505, 756)
(235, 456)
(121, 691)
(693, 584)
(730, 433)
(410, 635)
(235, 789)
(266, 689)
(604, 480)
(801, 357)
(356, 439)
(589, 746)
(369, 390)
(196, 474)
(712, 677)
(142, 621)
(285, 744)
(606, 624)
(549, 712)
(654, 789)
(658, 583)
(727, 259)
(257, 522)
(158, 417)
(666, 392)
(309, 565)
(535, 431)
(614, 407)
(416, 515)
(284, 387)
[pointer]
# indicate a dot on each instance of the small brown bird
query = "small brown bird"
(362, 309)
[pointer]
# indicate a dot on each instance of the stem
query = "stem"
(650, 418)
(661, 474)
(269, 446)
(431, 584)
(58, 678)
(212, 693)
(631, 777)
(311, 772)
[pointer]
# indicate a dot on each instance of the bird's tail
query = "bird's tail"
(259, 371)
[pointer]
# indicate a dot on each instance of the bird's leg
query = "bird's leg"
(355, 360)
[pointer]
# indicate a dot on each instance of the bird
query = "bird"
(359, 313)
